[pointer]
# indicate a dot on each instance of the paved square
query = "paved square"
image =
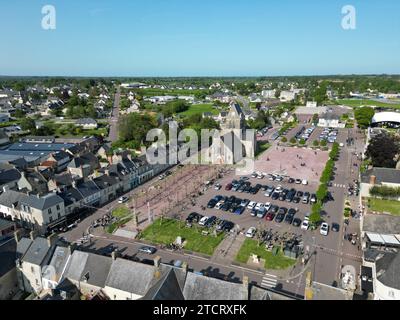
(287, 161)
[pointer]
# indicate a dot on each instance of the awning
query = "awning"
(375, 238)
(390, 240)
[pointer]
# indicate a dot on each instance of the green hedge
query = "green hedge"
(385, 192)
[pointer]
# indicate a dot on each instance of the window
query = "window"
(49, 211)
(32, 270)
(58, 207)
(51, 219)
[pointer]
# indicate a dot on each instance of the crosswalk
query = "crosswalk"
(269, 281)
(342, 186)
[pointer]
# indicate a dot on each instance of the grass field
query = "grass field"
(200, 109)
(169, 230)
(121, 212)
(272, 262)
(382, 206)
(359, 103)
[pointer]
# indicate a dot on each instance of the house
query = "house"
(287, 96)
(312, 104)
(88, 272)
(4, 117)
(58, 160)
(84, 165)
(379, 177)
(385, 275)
(269, 94)
(4, 139)
(330, 120)
(33, 255)
(128, 280)
(9, 178)
(87, 123)
(52, 273)
(33, 181)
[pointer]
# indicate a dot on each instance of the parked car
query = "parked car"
(203, 221)
(304, 182)
(228, 187)
(296, 222)
(251, 232)
(245, 203)
(290, 216)
(219, 205)
(210, 222)
(324, 229)
(123, 200)
(335, 227)
(239, 210)
(225, 226)
(275, 196)
(251, 205)
(260, 206)
(147, 250)
(306, 198)
(280, 217)
(298, 181)
(261, 213)
(306, 223)
(274, 209)
(194, 217)
(269, 191)
(217, 186)
(291, 181)
(270, 216)
(211, 204)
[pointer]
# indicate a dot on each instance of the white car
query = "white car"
(217, 186)
(123, 200)
(251, 205)
(324, 229)
(251, 232)
(219, 205)
(304, 182)
(268, 206)
(306, 224)
(260, 206)
(260, 176)
(279, 189)
(203, 221)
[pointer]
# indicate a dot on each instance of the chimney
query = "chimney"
(17, 235)
(372, 180)
(32, 235)
(52, 239)
(246, 282)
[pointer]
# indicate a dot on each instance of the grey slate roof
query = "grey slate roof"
(57, 264)
(95, 267)
(388, 270)
(11, 197)
(168, 288)
(42, 203)
(383, 224)
(8, 176)
(198, 287)
(130, 276)
(88, 188)
(382, 175)
(37, 252)
(23, 246)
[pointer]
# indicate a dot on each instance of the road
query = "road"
(113, 135)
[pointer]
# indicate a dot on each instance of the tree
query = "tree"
(383, 150)
(284, 140)
(323, 143)
(315, 216)
(316, 143)
(302, 142)
(293, 140)
(28, 124)
(364, 116)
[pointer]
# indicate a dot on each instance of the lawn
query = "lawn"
(359, 103)
(169, 230)
(380, 205)
(112, 227)
(272, 262)
(200, 109)
(121, 212)
(262, 147)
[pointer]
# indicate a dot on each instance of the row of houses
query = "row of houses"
(46, 195)
(52, 270)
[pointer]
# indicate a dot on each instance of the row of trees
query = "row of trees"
(322, 191)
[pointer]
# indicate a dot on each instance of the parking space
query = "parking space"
(298, 163)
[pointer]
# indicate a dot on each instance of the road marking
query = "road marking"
(269, 281)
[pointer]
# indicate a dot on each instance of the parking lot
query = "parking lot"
(298, 163)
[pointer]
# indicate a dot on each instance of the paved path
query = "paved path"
(228, 249)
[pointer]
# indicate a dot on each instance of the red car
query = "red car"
(270, 216)
(228, 187)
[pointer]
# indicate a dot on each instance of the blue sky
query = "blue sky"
(199, 38)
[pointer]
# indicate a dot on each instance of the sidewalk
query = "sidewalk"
(228, 249)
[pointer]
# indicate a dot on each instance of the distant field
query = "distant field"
(174, 92)
(200, 109)
(359, 103)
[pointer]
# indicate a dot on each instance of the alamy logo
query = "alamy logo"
(49, 18)
(349, 21)
(217, 147)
